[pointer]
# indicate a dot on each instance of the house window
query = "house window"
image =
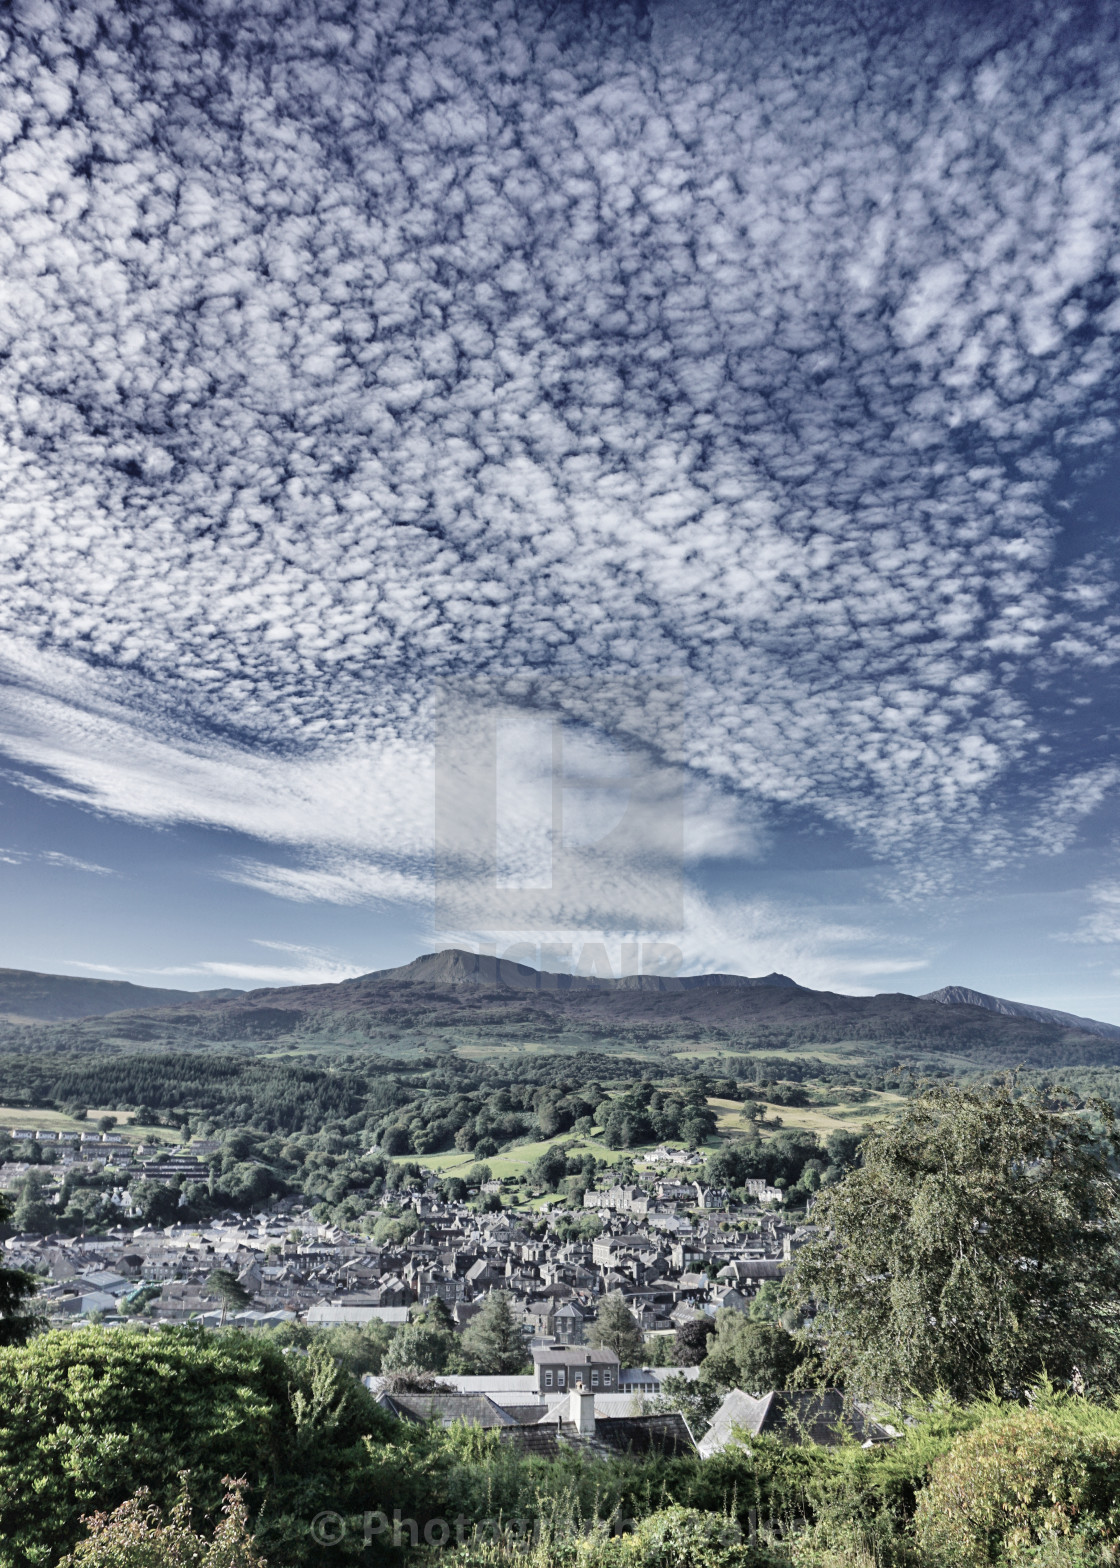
(594, 1380)
(561, 1378)
(606, 1380)
(548, 1380)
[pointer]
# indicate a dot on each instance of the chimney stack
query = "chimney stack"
(581, 1411)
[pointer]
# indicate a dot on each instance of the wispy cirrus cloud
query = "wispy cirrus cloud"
(53, 857)
(552, 354)
(312, 966)
(1102, 921)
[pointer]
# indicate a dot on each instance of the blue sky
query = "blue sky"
(731, 388)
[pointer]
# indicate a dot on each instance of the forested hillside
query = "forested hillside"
(457, 1000)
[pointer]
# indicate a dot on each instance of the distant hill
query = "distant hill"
(959, 995)
(455, 967)
(459, 997)
(26, 994)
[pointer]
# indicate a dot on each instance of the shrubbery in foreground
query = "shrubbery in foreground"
(669, 1538)
(1026, 1487)
(136, 1535)
(89, 1418)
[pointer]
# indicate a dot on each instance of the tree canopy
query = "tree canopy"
(755, 1356)
(88, 1417)
(491, 1340)
(616, 1328)
(32, 1211)
(229, 1290)
(975, 1248)
(17, 1287)
(692, 1341)
(423, 1345)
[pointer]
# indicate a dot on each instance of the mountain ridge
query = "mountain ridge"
(484, 999)
(960, 995)
(455, 966)
(34, 994)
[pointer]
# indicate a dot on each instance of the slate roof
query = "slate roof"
(793, 1417)
(519, 1386)
(753, 1268)
(539, 1441)
(328, 1312)
(574, 1356)
(477, 1409)
(664, 1434)
(623, 1404)
(629, 1434)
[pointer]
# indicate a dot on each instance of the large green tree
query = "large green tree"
(549, 1168)
(89, 1416)
(229, 1290)
(32, 1211)
(423, 1345)
(492, 1340)
(975, 1248)
(17, 1287)
(754, 1356)
(692, 1342)
(616, 1328)
(157, 1201)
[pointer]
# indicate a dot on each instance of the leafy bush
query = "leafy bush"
(90, 1417)
(673, 1537)
(685, 1535)
(1026, 1487)
(136, 1535)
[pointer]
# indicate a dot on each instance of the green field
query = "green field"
(58, 1121)
(821, 1119)
(516, 1161)
(730, 1125)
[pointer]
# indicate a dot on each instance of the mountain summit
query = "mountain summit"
(453, 966)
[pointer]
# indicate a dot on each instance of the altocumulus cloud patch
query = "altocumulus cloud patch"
(554, 353)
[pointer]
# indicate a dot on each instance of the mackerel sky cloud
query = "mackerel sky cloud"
(559, 356)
